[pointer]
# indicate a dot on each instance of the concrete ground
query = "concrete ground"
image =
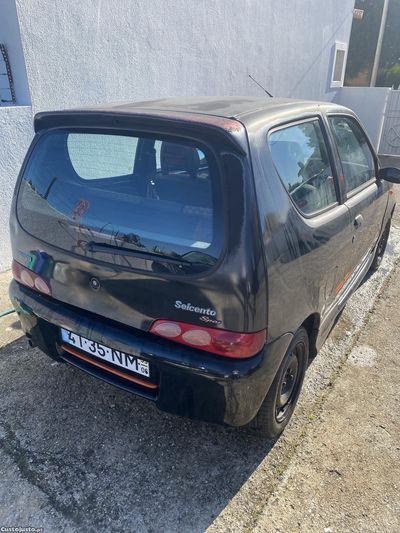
(77, 455)
(10, 328)
(346, 476)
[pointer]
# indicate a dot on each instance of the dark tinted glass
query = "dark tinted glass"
(142, 194)
(355, 154)
(302, 161)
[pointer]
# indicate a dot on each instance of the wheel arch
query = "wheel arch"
(311, 325)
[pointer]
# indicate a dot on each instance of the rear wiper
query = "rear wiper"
(120, 250)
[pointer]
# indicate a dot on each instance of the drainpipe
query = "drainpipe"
(379, 44)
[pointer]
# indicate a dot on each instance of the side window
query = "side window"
(302, 161)
(356, 157)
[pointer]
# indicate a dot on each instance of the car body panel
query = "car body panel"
(192, 383)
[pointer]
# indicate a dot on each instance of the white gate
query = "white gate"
(390, 137)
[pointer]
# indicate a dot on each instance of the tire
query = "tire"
(278, 406)
(381, 247)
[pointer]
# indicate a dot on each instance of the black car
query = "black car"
(196, 251)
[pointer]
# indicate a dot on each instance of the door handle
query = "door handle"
(358, 221)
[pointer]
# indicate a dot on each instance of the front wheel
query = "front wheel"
(278, 406)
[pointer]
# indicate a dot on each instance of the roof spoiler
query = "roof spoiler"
(230, 130)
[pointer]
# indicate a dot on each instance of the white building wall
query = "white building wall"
(369, 104)
(89, 51)
(15, 136)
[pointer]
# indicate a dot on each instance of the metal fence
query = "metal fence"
(390, 138)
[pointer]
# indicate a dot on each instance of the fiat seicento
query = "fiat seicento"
(196, 251)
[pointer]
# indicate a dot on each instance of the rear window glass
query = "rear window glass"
(101, 195)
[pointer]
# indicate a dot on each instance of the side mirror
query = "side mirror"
(392, 175)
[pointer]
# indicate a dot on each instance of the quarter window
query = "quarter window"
(302, 161)
(356, 157)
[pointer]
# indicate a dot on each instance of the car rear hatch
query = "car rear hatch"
(137, 218)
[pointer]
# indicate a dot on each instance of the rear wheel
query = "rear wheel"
(380, 249)
(278, 406)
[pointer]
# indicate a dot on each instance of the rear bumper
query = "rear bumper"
(190, 383)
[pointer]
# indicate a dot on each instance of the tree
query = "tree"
(363, 40)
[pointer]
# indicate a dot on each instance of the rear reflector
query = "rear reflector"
(30, 279)
(217, 341)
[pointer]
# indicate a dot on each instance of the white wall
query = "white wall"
(90, 51)
(369, 104)
(15, 136)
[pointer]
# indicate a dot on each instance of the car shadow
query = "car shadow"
(15, 325)
(108, 460)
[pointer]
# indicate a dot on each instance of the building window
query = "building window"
(339, 64)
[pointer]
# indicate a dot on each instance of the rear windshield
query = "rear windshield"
(149, 203)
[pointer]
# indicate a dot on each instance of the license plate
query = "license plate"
(122, 359)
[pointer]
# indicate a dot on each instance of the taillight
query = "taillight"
(30, 279)
(217, 341)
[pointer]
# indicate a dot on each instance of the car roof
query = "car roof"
(227, 113)
(234, 107)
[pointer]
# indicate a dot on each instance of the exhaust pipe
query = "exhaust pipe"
(31, 342)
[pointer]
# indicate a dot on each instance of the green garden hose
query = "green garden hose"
(7, 312)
